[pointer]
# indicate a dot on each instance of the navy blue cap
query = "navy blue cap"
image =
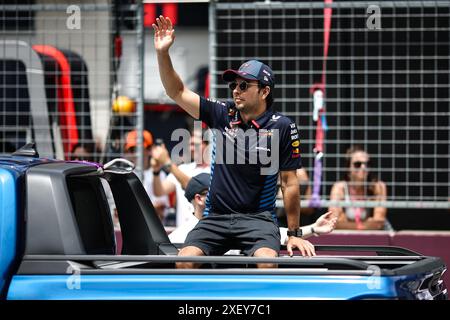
(197, 184)
(251, 70)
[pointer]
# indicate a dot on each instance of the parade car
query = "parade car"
(57, 241)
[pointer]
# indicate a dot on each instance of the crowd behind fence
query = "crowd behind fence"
(387, 81)
(387, 84)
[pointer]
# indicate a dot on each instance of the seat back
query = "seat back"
(142, 230)
(92, 214)
(67, 211)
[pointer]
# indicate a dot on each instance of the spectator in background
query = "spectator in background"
(359, 185)
(83, 151)
(196, 192)
(161, 203)
(179, 175)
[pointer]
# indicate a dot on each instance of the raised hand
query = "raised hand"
(164, 33)
(161, 154)
(325, 224)
(156, 166)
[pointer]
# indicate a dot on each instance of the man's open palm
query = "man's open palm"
(164, 33)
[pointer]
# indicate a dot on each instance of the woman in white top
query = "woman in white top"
(359, 185)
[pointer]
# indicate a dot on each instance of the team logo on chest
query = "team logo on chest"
(265, 132)
(231, 133)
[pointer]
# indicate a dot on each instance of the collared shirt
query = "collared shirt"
(246, 158)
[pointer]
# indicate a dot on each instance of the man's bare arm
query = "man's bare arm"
(182, 178)
(174, 86)
(162, 188)
(291, 198)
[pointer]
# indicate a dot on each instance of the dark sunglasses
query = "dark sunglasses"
(243, 85)
(358, 164)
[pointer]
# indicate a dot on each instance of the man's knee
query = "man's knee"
(186, 252)
(266, 253)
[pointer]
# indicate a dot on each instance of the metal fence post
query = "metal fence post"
(140, 89)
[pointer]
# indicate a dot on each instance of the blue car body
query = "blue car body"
(202, 287)
(57, 242)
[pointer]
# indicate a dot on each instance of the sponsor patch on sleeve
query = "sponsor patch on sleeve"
(295, 142)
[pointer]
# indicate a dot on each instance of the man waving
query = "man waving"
(253, 144)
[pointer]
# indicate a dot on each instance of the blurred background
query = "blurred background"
(84, 73)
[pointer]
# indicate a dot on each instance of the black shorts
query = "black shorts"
(218, 233)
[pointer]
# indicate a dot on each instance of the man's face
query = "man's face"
(197, 144)
(80, 153)
(246, 94)
(199, 203)
(130, 154)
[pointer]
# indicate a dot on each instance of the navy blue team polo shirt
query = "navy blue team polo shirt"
(242, 185)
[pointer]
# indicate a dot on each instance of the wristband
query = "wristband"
(295, 233)
(167, 168)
